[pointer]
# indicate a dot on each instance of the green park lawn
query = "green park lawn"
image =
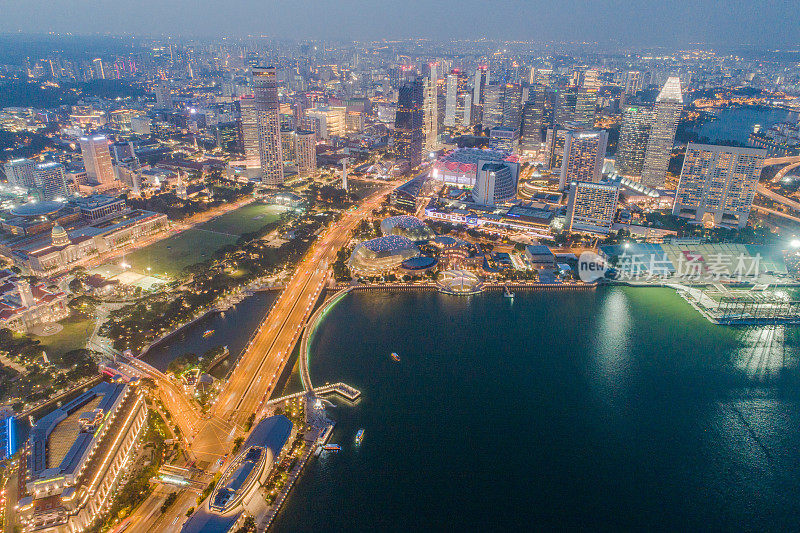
(170, 256)
(244, 220)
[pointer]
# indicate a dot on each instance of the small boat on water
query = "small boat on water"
(208, 333)
(507, 293)
(395, 357)
(332, 448)
(360, 436)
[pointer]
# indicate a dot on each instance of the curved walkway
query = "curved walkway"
(311, 326)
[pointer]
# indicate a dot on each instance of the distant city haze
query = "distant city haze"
(644, 22)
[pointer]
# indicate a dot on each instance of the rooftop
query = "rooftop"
(37, 209)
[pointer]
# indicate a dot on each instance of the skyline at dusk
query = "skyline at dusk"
(647, 23)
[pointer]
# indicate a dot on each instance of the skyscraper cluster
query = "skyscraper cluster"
(647, 136)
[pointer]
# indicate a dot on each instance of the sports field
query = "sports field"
(168, 257)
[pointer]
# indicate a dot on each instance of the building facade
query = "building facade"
(718, 184)
(633, 137)
(584, 152)
(97, 159)
(591, 207)
(496, 182)
(268, 121)
(305, 143)
(666, 114)
(408, 134)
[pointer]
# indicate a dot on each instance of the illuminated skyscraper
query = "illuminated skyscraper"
(99, 72)
(495, 182)
(248, 131)
(21, 173)
(451, 100)
(584, 152)
(492, 106)
(591, 207)
(479, 92)
(429, 112)
(265, 83)
(565, 105)
(666, 114)
(633, 82)
(97, 159)
(635, 130)
(51, 180)
(533, 120)
(585, 105)
(305, 144)
(512, 105)
(408, 134)
(718, 184)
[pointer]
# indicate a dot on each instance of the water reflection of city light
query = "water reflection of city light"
(762, 355)
(611, 345)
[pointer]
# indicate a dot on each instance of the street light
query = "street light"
(794, 243)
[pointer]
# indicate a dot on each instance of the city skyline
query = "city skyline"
(647, 24)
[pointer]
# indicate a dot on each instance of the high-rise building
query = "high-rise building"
(584, 152)
(512, 105)
(451, 100)
(465, 108)
(287, 145)
(591, 80)
(328, 121)
(492, 106)
(591, 207)
(585, 106)
(718, 184)
(163, 96)
(565, 106)
(633, 136)
(51, 180)
(408, 134)
(305, 144)
(429, 114)
(21, 173)
(248, 131)
(97, 159)
(479, 92)
(495, 182)
(633, 82)
(533, 120)
(554, 148)
(504, 138)
(666, 114)
(265, 84)
(97, 66)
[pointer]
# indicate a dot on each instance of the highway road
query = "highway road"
(263, 361)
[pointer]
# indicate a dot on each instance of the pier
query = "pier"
(342, 389)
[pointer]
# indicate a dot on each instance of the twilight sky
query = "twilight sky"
(762, 23)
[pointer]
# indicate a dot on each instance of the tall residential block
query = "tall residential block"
(305, 145)
(718, 184)
(265, 85)
(591, 207)
(429, 114)
(97, 159)
(633, 136)
(21, 173)
(584, 152)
